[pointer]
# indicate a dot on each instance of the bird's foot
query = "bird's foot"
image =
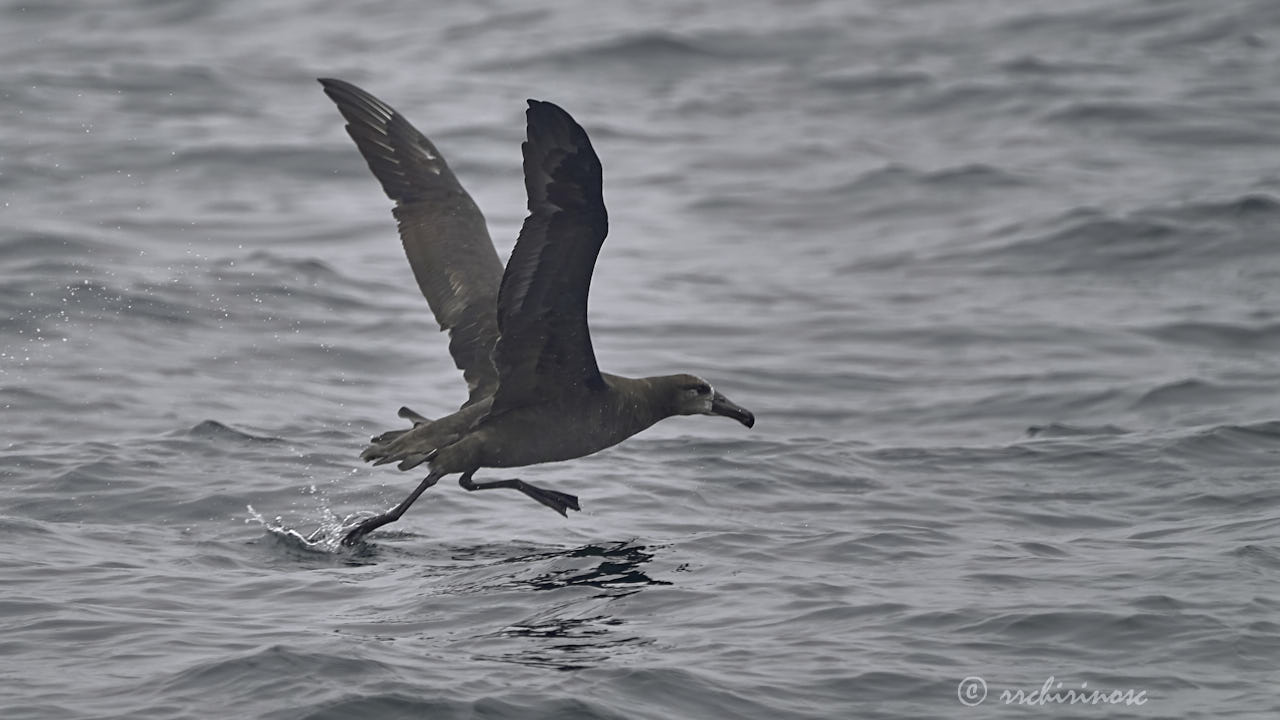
(357, 533)
(554, 499)
(558, 501)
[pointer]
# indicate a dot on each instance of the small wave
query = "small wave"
(306, 281)
(890, 179)
(1243, 445)
(1036, 65)
(156, 89)
(1062, 430)
(21, 398)
(214, 430)
(267, 671)
(975, 175)
(1248, 206)
(1192, 392)
(1123, 20)
(42, 246)
(1077, 624)
(1089, 240)
(302, 162)
(971, 95)
(410, 703)
(1261, 555)
(1095, 241)
(307, 266)
(641, 50)
(1110, 112)
(99, 299)
(24, 527)
(1218, 335)
(1164, 122)
(1215, 132)
(1208, 31)
(495, 22)
(876, 82)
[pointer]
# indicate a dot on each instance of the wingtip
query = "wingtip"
(334, 87)
(545, 105)
(547, 116)
(546, 109)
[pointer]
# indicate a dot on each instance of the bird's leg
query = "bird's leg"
(558, 501)
(391, 515)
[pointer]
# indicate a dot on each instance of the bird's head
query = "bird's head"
(691, 395)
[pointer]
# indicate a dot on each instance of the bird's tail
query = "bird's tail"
(407, 454)
(391, 435)
(410, 447)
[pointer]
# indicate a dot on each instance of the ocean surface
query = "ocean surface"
(1000, 280)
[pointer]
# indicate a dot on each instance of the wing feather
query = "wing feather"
(443, 232)
(544, 346)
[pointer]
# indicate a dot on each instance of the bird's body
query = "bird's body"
(519, 335)
(563, 429)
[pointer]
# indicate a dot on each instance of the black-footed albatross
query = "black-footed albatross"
(519, 336)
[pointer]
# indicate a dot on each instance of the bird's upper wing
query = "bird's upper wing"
(544, 349)
(443, 232)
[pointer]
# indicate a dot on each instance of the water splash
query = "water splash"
(327, 538)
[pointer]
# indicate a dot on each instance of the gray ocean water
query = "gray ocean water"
(1000, 280)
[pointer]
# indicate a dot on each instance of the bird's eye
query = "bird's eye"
(703, 389)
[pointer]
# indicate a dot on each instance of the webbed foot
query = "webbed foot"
(357, 533)
(554, 499)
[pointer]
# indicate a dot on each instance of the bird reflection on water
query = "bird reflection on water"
(581, 632)
(618, 572)
(616, 569)
(577, 625)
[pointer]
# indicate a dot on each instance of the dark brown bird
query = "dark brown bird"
(519, 336)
